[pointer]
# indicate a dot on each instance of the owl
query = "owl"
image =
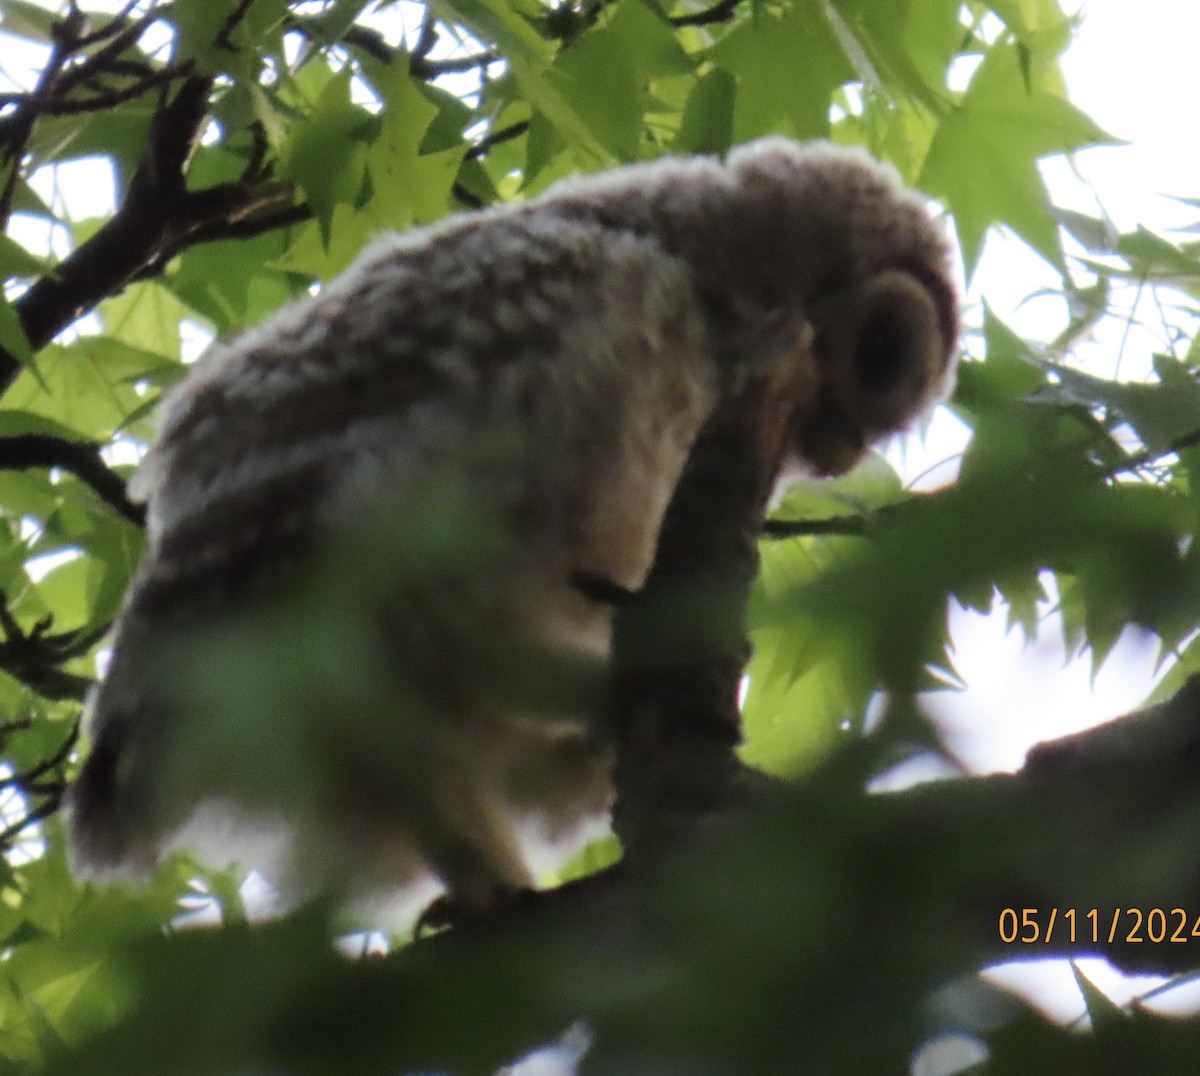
(365, 643)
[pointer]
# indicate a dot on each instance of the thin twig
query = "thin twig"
(1151, 455)
(468, 199)
(496, 138)
(98, 102)
(26, 779)
(231, 23)
(114, 25)
(99, 61)
(251, 226)
(429, 69)
(39, 814)
(19, 127)
(427, 36)
(853, 526)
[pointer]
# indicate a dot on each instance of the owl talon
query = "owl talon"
(447, 911)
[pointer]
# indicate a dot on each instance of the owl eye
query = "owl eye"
(885, 351)
(896, 349)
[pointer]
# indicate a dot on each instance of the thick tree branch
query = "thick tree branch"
(818, 901)
(680, 644)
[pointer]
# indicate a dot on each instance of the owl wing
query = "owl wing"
(557, 371)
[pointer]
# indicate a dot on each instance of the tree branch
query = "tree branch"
(835, 899)
(679, 644)
(496, 138)
(81, 459)
(158, 217)
(17, 128)
(97, 102)
(721, 12)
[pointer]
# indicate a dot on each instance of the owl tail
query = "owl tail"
(104, 842)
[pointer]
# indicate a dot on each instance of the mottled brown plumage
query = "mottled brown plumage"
(406, 478)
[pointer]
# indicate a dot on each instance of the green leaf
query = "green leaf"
(877, 36)
(234, 284)
(887, 597)
(983, 159)
(30, 21)
(12, 335)
(324, 153)
(145, 319)
(707, 125)
(1102, 1010)
(409, 187)
(1040, 25)
(932, 36)
(1151, 257)
(787, 67)
(349, 231)
(64, 590)
(648, 40)
(201, 24)
(87, 387)
(614, 117)
(1160, 413)
(16, 261)
(116, 133)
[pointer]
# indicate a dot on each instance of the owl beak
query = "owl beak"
(830, 446)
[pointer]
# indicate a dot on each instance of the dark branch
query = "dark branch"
(251, 226)
(114, 25)
(127, 35)
(722, 12)
(496, 138)
(18, 127)
(35, 657)
(98, 102)
(1151, 455)
(364, 38)
(27, 780)
(158, 218)
(231, 23)
(81, 459)
(429, 69)
(39, 814)
(427, 36)
(777, 529)
(853, 526)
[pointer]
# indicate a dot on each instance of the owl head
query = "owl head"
(865, 268)
(814, 248)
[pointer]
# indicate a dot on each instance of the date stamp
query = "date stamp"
(1155, 926)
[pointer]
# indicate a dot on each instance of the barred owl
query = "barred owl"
(454, 433)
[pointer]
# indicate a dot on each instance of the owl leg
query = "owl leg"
(467, 840)
(479, 879)
(600, 589)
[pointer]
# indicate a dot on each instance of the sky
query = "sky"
(1134, 69)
